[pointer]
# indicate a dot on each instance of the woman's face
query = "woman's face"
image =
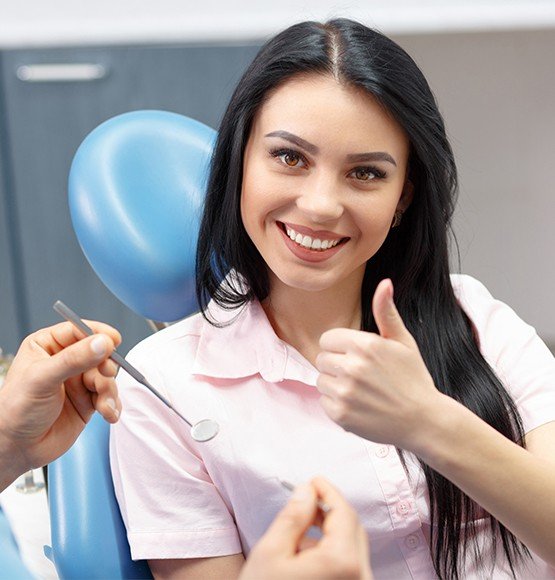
(324, 171)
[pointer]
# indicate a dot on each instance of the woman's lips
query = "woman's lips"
(320, 234)
(305, 253)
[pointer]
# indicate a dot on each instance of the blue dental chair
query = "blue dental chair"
(136, 188)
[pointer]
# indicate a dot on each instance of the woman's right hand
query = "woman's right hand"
(285, 552)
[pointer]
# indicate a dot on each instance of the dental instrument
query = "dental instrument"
(202, 431)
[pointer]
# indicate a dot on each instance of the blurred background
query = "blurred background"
(490, 64)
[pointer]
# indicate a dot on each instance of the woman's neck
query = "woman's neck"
(300, 317)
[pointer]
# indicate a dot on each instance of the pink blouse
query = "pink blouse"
(183, 499)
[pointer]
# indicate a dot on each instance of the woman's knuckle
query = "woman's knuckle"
(320, 359)
(321, 382)
(357, 368)
(367, 343)
(341, 413)
(346, 393)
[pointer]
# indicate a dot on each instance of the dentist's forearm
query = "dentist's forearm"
(9, 469)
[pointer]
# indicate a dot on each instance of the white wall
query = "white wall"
(62, 22)
(497, 94)
(495, 88)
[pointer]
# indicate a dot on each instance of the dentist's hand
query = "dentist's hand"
(377, 385)
(56, 381)
(284, 551)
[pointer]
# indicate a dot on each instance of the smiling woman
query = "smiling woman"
(332, 184)
(303, 173)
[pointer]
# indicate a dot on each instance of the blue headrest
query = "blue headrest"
(136, 188)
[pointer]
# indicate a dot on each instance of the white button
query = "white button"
(403, 508)
(412, 541)
(382, 451)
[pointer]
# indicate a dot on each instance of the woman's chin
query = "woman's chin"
(310, 283)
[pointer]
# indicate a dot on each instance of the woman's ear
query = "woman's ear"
(406, 196)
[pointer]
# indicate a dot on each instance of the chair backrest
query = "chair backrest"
(88, 534)
(136, 187)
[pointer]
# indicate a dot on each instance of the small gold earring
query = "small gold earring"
(397, 218)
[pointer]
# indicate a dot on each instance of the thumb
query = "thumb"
(291, 524)
(76, 359)
(389, 321)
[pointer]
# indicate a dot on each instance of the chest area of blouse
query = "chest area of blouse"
(272, 432)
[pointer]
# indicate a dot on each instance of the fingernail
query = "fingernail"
(99, 345)
(112, 404)
(302, 493)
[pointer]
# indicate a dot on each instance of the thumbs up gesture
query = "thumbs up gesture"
(377, 385)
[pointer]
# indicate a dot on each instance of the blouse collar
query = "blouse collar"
(246, 344)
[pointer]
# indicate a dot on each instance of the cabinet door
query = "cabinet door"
(48, 120)
(10, 324)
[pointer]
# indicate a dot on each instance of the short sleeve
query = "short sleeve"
(169, 504)
(519, 357)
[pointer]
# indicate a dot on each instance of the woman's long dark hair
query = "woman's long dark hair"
(415, 255)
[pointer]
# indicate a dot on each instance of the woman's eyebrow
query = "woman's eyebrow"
(372, 156)
(294, 139)
(353, 158)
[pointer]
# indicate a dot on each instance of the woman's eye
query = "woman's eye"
(367, 174)
(289, 158)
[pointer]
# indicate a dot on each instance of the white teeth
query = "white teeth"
(308, 242)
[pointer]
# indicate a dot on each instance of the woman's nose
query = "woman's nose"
(319, 200)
